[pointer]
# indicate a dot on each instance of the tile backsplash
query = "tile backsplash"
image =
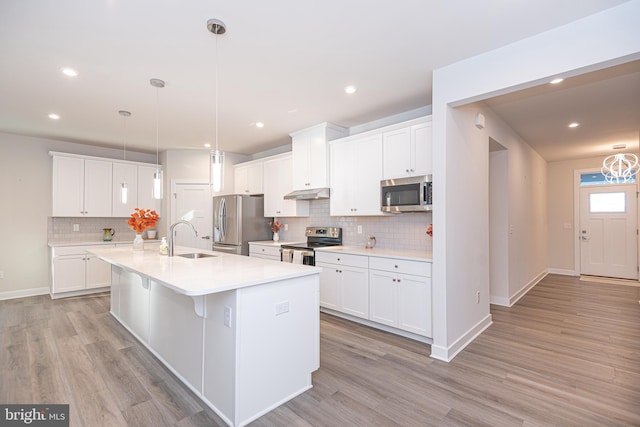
(90, 229)
(406, 231)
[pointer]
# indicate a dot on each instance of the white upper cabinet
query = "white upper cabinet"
(356, 171)
(277, 183)
(407, 151)
(91, 186)
(81, 187)
(311, 155)
(248, 178)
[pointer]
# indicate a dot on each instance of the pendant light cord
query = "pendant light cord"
(157, 126)
(216, 88)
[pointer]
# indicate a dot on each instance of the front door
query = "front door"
(608, 236)
(193, 203)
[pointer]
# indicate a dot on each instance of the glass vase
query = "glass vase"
(138, 243)
(276, 237)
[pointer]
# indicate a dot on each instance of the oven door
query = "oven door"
(298, 256)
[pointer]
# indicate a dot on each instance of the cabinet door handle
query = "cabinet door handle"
(393, 280)
(398, 280)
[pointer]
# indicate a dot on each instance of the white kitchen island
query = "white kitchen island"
(242, 333)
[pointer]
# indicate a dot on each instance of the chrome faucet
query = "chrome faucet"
(171, 233)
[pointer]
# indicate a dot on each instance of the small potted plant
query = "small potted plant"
(142, 219)
(275, 227)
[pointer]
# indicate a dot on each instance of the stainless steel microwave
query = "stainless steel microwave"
(406, 194)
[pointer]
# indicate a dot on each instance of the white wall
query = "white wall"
(25, 190)
(560, 192)
(460, 264)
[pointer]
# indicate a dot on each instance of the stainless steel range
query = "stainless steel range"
(317, 237)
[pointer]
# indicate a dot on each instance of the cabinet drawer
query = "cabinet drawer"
(273, 251)
(416, 268)
(342, 259)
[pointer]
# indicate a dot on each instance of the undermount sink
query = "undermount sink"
(195, 255)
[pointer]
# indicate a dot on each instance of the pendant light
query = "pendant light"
(620, 168)
(157, 175)
(124, 189)
(216, 174)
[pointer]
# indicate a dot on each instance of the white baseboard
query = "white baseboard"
(522, 292)
(23, 293)
(509, 302)
(563, 272)
(446, 354)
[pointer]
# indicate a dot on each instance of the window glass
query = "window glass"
(597, 178)
(607, 203)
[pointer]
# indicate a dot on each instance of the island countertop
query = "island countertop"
(194, 277)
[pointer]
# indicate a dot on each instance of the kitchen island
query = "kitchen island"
(242, 333)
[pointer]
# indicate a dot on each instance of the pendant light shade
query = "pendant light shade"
(124, 188)
(158, 181)
(216, 163)
(216, 171)
(620, 168)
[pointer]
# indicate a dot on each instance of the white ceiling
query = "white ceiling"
(283, 63)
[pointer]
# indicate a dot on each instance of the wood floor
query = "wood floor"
(567, 354)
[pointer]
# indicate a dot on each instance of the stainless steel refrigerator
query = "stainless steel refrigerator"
(238, 220)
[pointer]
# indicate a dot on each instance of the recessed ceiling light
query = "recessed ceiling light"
(574, 125)
(54, 116)
(350, 89)
(556, 81)
(292, 111)
(259, 124)
(70, 72)
(207, 145)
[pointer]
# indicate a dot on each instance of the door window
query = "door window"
(607, 203)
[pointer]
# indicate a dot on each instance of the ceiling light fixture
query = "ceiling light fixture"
(216, 163)
(350, 89)
(54, 116)
(157, 175)
(574, 125)
(556, 81)
(207, 145)
(69, 72)
(259, 124)
(124, 188)
(620, 168)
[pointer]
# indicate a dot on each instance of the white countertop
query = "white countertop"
(96, 242)
(386, 253)
(276, 244)
(202, 276)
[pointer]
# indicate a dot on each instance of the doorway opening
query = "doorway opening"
(607, 238)
(498, 223)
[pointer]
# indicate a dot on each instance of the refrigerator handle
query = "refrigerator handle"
(223, 219)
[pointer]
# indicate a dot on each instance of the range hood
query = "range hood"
(311, 194)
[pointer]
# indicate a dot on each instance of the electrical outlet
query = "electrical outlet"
(359, 229)
(76, 227)
(282, 308)
(227, 316)
(478, 297)
(286, 227)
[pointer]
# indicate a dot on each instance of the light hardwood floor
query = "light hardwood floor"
(567, 354)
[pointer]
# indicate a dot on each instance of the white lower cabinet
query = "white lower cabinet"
(74, 270)
(264, 251)
(387, 291)
(344, 283)
(400, 299)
